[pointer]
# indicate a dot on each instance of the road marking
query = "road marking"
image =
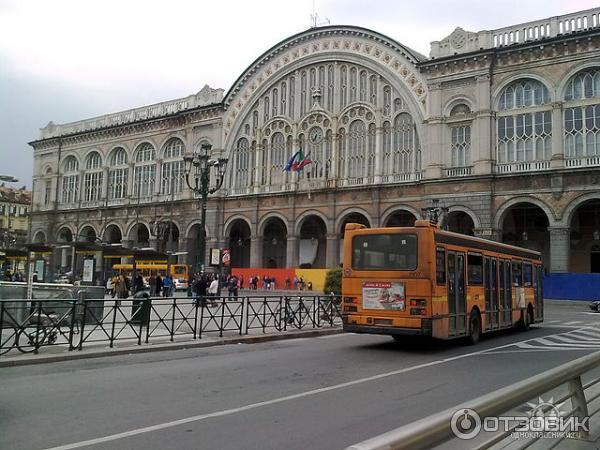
(226, 412)
(575, 322)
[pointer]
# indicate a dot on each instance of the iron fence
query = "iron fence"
(30, 325)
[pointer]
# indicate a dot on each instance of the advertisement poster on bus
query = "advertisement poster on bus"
(383, 295)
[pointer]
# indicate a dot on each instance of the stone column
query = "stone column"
(557, 160)
(560, 240)
(432, 162)
(256, 247)
(153, 243)
(158, 178)
(104, 192)
(332, 251)
(291, 258)
(378, 149)
(482, 155)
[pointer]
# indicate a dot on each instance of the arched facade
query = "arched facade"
(506, 137)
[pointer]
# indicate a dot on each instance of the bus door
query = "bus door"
(487, 283)
(538, 292)
(456, 294)
(506, 294)
(495, 293)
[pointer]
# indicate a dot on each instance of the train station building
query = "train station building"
(502, 127)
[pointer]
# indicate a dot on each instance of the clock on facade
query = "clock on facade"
(315, 135)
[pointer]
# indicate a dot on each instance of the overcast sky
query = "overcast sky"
(67, 60)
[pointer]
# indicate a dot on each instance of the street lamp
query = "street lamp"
(197, 176)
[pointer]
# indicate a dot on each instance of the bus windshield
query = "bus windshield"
(384, 251)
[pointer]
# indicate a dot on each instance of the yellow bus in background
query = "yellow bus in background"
(179, 272)
(424, 281)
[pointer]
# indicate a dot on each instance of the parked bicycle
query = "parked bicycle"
(290, 312)
(39, 330)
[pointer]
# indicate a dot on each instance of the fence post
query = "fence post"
(222, 316)
(579, 402)
(141, 330)
(112, 328)
(37, 328)
(73, 309)
(245, 312)
(204, 305)
(1, 325)
(173, 319)
(198, 302)
(83, 319)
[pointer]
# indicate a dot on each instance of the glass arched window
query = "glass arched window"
(357, 145)
(118, 174)
(582, 122)
(524, 123)
(278, 159)
(460, 136)
(144, 172)
(70, 180)
(92, 181)
(404, 147)
(242, 163)
(172, 171)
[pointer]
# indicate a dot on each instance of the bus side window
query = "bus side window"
(527, 275)
(516, 274)
(440, 265)
(474, 269)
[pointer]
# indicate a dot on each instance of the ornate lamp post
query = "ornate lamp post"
(197, 176)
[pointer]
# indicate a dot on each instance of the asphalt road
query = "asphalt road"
(317, 393)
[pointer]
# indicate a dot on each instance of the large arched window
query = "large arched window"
(278, 159)
(524, 123)
(357, 145)
(242, 163)
(171, 180)
(118, 174)
(405, 148)
(582, 122)
(92, 181)
(70, 180)
(144, 172)
(459, 122)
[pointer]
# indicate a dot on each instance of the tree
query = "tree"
(333, 281)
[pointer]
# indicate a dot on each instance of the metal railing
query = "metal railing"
(28, 326)
(578, 394)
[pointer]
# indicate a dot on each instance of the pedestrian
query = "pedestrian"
(167, 283)
(138, 282)
(233, 287)
(287, 282)
(152, 283)
(241, 282)
(121, 288)
(213, 290)
(199, 290)
(295, 282)
(309, 286)
(159, 284)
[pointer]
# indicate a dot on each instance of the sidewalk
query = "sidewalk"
(56, 353)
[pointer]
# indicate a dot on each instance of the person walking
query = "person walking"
(152, 283)
(159, 284)
(167, 283)
(213, 290)
(121, 288)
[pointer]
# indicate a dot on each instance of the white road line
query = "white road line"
(587, 332)
(226, 412)
(525, 345)
(552, 321)
(575, 322)
(551, 343)
(575, 339)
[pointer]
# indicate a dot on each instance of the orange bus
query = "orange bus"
(179, 272)
(424, 281)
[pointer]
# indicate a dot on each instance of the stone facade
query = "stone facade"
(502, 127)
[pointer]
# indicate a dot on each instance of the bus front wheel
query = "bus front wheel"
(474, 328)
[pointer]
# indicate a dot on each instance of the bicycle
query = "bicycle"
(290, 315)
(34, 333)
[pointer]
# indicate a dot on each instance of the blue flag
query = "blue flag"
(290, 163)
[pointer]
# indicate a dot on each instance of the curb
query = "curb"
(76, 355)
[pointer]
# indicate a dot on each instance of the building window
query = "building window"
(242, 164)
(144, 173)
(172, 167)
(118, 174)
(70, 181)
(47, 192)
(582, 123)
(404, 145)
(357, 144)
(524, 135)
(460, 146)
(278, 159)
(92, 180)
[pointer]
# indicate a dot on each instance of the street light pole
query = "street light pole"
(197, 177)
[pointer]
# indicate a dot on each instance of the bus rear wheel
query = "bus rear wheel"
(474, 328)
